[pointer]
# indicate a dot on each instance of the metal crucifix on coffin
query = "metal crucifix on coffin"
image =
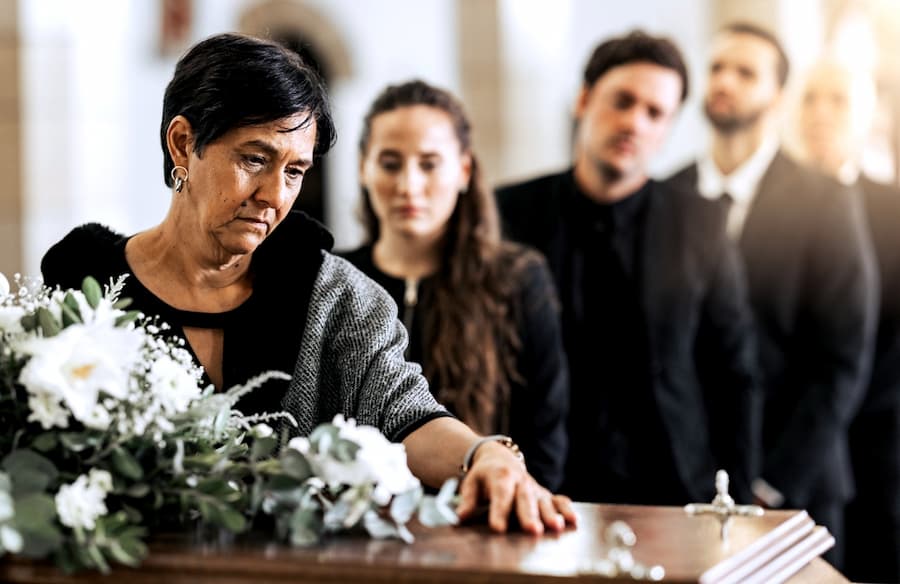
(723, 506)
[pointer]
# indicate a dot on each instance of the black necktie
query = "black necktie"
(725, 201)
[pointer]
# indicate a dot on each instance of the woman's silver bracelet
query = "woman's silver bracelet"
(502, 439)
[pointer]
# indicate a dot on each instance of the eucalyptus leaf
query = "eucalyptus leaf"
(128, 317)
(138, 490)
(34, 512)
(344, 450)
(336, 516)
(405, 534)
(134, 516)
(29, 322)
(50, 327)
(448, 490)
(69, 316)
(114, 523)
(283, 482)
(436, 513)
(92, 291)
(97, 558)
(378, 527)
(125, 464)
(305, 527)
(221, 421)
(121, 555)
(227, 517)
(30, 472)
(348, 509)
(263, 447)
(74, 441)
(214, 486)
(45, 442)
(122, 303)
(40, 543)
(322, 437)
(295, 465)
(133, 547)
(404, 505)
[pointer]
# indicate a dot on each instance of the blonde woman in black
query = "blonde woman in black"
(481, 313)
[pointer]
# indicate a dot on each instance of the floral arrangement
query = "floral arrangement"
(112, 436)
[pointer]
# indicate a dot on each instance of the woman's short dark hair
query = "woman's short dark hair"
(636, 47)
(232, 80)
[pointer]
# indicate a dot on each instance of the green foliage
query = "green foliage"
(126, 464)
(92, 292)
(206, 466)
(31, 472)
(50, 327)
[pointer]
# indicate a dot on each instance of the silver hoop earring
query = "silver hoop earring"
(178, 179)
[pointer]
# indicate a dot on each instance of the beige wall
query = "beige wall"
(10, 151)
(478, 31)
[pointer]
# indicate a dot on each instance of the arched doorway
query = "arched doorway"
(315, 39)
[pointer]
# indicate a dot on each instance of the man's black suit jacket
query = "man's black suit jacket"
(813, 287)
(873, 516)
(693, 297)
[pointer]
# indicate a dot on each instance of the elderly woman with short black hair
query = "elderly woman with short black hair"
(243, 120)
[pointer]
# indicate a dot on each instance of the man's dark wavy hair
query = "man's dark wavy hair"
(636, 47)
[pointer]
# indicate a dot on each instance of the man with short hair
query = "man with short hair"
(655, 316)
(836, 113)
(811, 273)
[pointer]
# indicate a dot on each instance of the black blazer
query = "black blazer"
(873, 517)
(882, 208)
(697, 318)
(813, 288)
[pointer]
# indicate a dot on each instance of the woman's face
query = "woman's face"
(245, 182)
(414, 170)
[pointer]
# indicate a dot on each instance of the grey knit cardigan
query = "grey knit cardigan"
(351, 358)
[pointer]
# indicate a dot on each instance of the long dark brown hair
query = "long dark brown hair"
(470, 327)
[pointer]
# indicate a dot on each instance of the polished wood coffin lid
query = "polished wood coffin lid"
(688, 548)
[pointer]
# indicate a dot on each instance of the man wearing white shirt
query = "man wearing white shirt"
(811, 274)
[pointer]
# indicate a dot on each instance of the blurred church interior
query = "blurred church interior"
(81, 86)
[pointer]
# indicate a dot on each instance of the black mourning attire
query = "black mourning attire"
(536, 413)
(657, 332)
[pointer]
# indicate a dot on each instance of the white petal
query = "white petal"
(10, 538)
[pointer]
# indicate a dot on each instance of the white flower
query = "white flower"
(47, 410)
(80, 504)
(100, 478)
(79, 363)
(262, 431)
(381, 496)
(378, 461)
(4, 286)
(300, 444)
(10, 317)
(7, 511)
(172, 385)
(98, 417)
(103, 315)
(10, 539)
